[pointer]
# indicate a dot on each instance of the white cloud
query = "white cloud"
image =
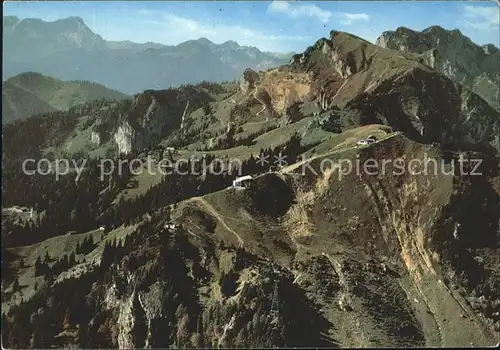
(179, 29)
(350, 18)
(483, 18)
(312, 11)
(144, 12)
(296, 11)
(188, 25)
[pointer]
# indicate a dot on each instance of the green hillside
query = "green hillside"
(32, 93)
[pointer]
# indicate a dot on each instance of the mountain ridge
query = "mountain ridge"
(85, 55)
(453, 54)
(348, 71)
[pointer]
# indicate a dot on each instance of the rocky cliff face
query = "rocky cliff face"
(221, 297)
(154, 114)
(453, 54)
(95, 138)
(123, 137)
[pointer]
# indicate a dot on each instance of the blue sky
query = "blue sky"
(271, 26)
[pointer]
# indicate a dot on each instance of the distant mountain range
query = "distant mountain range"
(32, 93)
(67, 49)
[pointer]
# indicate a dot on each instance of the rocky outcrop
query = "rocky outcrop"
(144, 122)
(124, 136)
(95, 138)
(453, 54)
(249, 80)
(155, 114)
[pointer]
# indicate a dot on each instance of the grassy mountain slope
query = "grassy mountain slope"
(32, 93)
(18, 104)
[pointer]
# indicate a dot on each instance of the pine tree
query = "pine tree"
(72, 259)
(91, 242)
(15, 286)
(38, 266)
(49, 277)
(106, 258)
(64, 262)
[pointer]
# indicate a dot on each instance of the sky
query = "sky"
(278, 26)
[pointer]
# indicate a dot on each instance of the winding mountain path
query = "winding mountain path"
(212, 211)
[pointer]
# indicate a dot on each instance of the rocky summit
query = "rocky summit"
(242, 214)
(453, 54)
